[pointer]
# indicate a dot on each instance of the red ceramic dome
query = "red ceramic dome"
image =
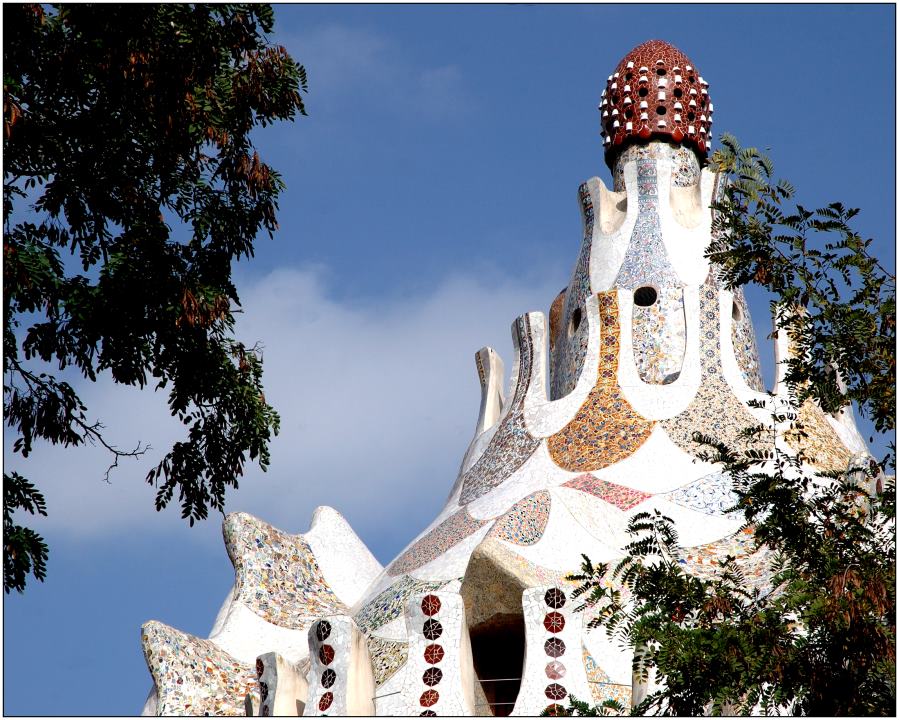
(655, 92)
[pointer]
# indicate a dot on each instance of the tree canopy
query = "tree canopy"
(131, 185)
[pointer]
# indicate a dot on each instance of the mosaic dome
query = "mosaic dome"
(655, 92)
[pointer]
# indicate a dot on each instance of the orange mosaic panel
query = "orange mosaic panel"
(606, 429)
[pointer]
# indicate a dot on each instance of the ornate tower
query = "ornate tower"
(643, 348)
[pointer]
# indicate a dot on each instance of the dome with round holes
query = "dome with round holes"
(655, 92)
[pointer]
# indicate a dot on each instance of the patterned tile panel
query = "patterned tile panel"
(569, 352)
(646, 260)
(601, 686)
(525, 522)
(711, 494)
(821, 443)
(685, 170)
(606, 429)
(388, 605)
(387, 656)
(512, 444)
(702, 560)
(447, 534)
(276, 574)
(745, 349)
(195, 676)
(660, 337)
(714, 410)
(622, 497)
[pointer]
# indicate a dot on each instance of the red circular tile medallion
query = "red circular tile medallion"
(430, 604)
(433, 654)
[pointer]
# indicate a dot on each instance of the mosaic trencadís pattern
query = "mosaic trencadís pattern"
(388, 604)
(570, 349)
(646, 260)
(755, 564)
(447, 534)
(714, 410)
(821, 444)
(624, 498)
(712, 494)
(512, 444)
(387, 656)
(743, 338)
(525, 522)
(194, 676)
(685, 170)
(276, 574)
(601, 686)
(660, 337)
(606, 429)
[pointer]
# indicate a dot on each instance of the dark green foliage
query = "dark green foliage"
(821, 640)
(127, 133)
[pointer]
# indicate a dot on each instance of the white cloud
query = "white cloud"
(377, 403)
(358, 67)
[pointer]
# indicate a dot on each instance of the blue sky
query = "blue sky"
(431, 198)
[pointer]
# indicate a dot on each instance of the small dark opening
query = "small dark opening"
(643, 92)
(661, 110)
(628, 76)
(614, 99)
(691, 116)
(678, 92)
(575, 322)
(691, 78)
(736, 314)
(660, 72)
(497, 648)
(645, 296)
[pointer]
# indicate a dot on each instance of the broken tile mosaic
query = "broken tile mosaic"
(755, 563)
(447, 534)
(525, 522)
(512, 444)
(388, 605)
(387, 656)
(606, 429)
(820, 443)
(194, 676)
(620, 496)
(711, 494)
(601, 686)
(659, 335)
(743, 337)
(276, 574)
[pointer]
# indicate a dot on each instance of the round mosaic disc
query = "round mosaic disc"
(430, 604)
(555, 670)
(554, 622)
(259, 668)
(432, 676)
(554, 647)
(427, 713)
(326, 701)
(433, 654)
(432, 629)
(554, 691)
(322, 630)
(555, 598)
(326, 654)
(555, 710)
(329, 677)
(428, 698)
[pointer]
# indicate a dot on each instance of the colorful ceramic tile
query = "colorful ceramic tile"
(817, 439)
(660, 337)
(525, 522)
(743, 338)
(447, 534)
(703, 561)
(712, 494)
(601, 686)
(606, 429)
(388, 604)
(276, 574)
(622, 497)
(512, 444)
(194, 676)
(715, 410)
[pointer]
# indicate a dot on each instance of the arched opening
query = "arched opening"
(497, 648)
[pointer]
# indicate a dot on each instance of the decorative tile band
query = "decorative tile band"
(194, 676)
(660, 337)
(606, 429)
(388, 604)
(512, 444)
(704, 560)
(711, 494)
(714, 410)
(622, 497)
(571, 348)
(743, 337)
(447, 534)
(525, 522)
